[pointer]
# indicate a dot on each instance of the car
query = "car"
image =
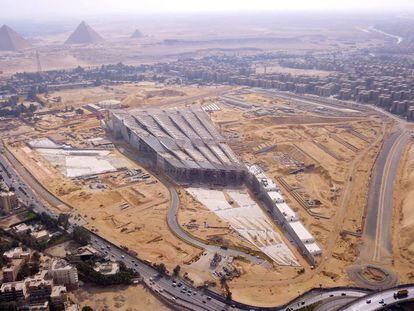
(188, 294)
(122, 256)
(183, 291)
(136, 265)
(179, 284)
(174, 285)
(368, 301)
(194, 293)
(208, 298)
(381, 301)
(343, 294)
(204, 301)
(233, 306)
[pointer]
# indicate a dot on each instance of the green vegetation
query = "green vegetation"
(124, 276)
(63, 220)
(87, 308)
(176, 270)
(161, 268)
(81, 235)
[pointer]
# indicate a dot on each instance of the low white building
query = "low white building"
(109, 104)
(107, 268)
(284, 214)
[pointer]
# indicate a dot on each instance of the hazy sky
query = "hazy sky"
(47, 8)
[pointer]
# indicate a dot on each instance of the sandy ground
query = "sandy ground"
(404, 217)
(122, 298)
(325, 182)
(195, 38)
(141, 225)
(205, 225)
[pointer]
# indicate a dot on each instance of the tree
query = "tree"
(228, 295)
(176, 270)
(87, 308)
(161, 268)
(63, 220)
(23, 273)
(36, 256)
(34, 268)
(81, 235)
(48, 221)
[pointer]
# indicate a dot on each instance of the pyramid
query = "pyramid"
(11, 40)
(137, 34)
(84, 34)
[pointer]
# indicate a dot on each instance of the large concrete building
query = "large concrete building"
(271, 195)
(64, 274)
(184, 144)
(8, 201)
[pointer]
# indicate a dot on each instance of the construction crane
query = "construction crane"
(39, 66)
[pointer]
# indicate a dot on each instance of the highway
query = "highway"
(380, 201)
(39, 198)
(333, 304)
(377, 235)
(172, 220)
(162, 285)
(379, 300)
(378, 226)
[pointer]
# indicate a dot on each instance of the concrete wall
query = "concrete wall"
(256, 187)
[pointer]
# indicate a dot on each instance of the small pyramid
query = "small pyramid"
(137, 34)
(11, 40)
(84, 34)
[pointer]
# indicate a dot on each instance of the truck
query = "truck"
(402, 293)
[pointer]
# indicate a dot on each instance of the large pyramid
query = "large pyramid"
(137, 34)
(84, 34)
(11, 40)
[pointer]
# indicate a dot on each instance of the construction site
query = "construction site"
(266, 176)
(183, 144)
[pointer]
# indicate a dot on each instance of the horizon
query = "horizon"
(49, 11)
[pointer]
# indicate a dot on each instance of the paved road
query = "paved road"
(333, 304)
(323, 296)
(379, 300)
(380, 200)
(312, 100)
(164, 286)
(173, 224)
